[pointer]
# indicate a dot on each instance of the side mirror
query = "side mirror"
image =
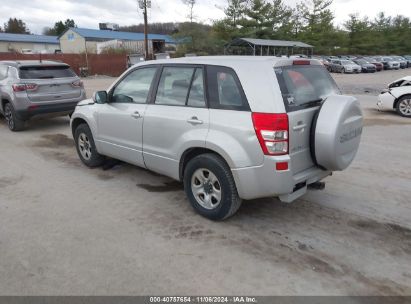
(100, 97)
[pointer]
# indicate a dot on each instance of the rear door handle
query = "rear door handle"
(194, 121)
(136, 115)
(299, 127)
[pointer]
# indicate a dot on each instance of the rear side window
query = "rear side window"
(46, 72)
(181, 86)
(305, 86)
(174, 85)
(225, 90)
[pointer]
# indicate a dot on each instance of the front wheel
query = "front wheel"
(13, 122)
(342, 71)
(210, 187)
(404, 106)
(86, 147)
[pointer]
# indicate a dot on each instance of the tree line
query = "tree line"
(310, 21)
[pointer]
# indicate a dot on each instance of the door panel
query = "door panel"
(168, 132)
(120, 122)
(120, 131)
(170, 126)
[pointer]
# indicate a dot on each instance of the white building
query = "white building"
(29, 44)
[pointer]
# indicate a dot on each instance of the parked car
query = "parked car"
(344, 66)
(378, 65)
(389, 63)
(366, 67)
(224, 128)
(397, 97)
(35, 88)
(323, 60)
(408, 58)
(401, 60)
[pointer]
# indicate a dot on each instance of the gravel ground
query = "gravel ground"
(372, 83)
(70, 230)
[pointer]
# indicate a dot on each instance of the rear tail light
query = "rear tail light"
(24, 87)
(272, 132)
(77, 84)
(301, 62)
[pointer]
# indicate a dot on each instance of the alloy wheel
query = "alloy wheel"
(8, 113)
(84, 146)
(405, 107)
(206, 188)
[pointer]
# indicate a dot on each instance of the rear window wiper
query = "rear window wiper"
(313, 102)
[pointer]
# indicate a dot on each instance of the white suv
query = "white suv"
(229, 128)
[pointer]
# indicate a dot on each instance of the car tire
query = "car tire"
(342, 71)
(403, 106)
(13, 122)
(86, 147)
(210, 187)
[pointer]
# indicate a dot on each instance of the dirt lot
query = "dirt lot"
(69, 230)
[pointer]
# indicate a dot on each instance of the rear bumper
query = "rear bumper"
(46, 109)
(265, 181)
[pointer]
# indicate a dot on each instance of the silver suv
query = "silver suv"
(229, 128)
(33, 88)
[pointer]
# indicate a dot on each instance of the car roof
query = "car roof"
(230, 61)
(251, 70)
(21, 63)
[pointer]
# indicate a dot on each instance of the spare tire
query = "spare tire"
(336, 132)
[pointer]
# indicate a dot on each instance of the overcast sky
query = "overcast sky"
(88, 13)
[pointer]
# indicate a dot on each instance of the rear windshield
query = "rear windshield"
(305, 86)
(46, 72)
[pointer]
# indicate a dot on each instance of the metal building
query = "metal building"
(78, 40)
(28, 44)
(263, 47)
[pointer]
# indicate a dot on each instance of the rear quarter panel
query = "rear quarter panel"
(232, 135)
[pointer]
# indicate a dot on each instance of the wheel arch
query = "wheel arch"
(3, 103)
(190, 153)
(76, 122)
(399, 98)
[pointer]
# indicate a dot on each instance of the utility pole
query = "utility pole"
(144, 4)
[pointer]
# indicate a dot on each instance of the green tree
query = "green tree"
(315, 24)
(281, 20)
(234, 11)
(257, 19)
(359, 38)
(16, 26)
(59, 28)
(197, 38)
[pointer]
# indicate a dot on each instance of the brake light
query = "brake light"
(77, 84)
(24, 87)
(272, 132)
(301, 62)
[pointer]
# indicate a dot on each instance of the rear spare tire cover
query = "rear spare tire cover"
(337, 132)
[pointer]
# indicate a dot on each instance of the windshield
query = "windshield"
(46, 72)
(305, 86)
(362, 61)
(346, 62)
